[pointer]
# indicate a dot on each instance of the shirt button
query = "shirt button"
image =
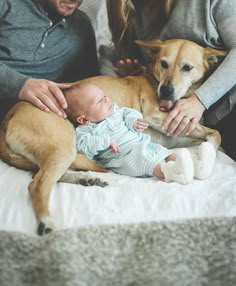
(42, 45)
(50, 23)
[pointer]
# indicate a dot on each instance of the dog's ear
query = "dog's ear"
(213, 56)
(152, 46)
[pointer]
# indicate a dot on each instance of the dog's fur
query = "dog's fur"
(33, 140)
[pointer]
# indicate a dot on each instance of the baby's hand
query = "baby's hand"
(140, 125)
(115, 147)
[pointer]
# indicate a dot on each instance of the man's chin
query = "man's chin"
(65, 14)
(67, 9)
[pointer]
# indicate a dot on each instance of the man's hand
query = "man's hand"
(129, 67)
(115, 147)
(184, 117)
(140, 125)
(46, 95)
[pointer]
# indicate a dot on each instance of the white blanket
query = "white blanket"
(125, 200)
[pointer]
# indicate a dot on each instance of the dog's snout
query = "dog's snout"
(167, 90)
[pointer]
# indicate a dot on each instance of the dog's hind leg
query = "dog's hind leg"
(204, 133)
(51, 170)
(12, 158)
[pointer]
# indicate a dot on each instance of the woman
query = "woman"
(208, 23)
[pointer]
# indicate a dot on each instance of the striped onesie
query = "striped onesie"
(138, 155)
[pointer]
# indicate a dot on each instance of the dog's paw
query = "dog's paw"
(93, 182)
(83, 179)
(46, 225)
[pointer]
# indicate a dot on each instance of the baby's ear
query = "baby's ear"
(82, 120)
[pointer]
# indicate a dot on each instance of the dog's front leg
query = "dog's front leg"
(199, 134)
(155, 126)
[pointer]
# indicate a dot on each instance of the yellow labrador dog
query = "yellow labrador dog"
(33, 140)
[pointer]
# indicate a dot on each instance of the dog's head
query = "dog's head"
(180, 66)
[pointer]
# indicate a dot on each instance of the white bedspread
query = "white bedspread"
(125, 200)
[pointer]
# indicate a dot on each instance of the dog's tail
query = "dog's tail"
(11, 158)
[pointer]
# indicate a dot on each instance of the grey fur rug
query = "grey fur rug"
(188, 252)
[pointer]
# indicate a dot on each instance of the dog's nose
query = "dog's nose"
(166, 90)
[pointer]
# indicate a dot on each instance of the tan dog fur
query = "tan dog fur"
(33, 140)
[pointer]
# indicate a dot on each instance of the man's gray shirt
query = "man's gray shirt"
(31, 45)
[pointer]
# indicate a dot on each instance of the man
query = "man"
(43, 43)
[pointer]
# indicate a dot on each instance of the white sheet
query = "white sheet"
(125, 200)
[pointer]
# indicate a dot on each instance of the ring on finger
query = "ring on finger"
(187, 117)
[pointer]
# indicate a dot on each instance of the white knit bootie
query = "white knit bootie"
(180, 170)
(204, 161)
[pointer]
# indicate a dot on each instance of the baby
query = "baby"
(113, 136)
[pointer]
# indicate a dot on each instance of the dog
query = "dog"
(44, 143)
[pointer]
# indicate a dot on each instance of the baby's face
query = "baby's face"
(97, 105)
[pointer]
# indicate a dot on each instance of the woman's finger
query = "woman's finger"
(192, 126)
(182, 125)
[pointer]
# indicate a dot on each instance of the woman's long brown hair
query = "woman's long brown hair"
(121, 21)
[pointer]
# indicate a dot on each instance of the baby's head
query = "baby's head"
(87, 103)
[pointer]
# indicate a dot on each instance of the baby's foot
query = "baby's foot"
(204, 161)
(180, 170)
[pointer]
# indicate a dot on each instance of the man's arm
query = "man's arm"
(11, 81)
(3, 9)
(42, 93)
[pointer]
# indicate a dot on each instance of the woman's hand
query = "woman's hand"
(46, 95)
(140, 125)
(185, 116)
(129, 67)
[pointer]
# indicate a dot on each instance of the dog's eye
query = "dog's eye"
(164, 64)
(187, 68)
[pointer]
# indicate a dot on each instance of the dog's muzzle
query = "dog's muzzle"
(166, 93)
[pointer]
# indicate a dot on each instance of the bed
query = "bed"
(125, 200)
(136, 231)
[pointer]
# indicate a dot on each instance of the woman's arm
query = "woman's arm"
(223, 79)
